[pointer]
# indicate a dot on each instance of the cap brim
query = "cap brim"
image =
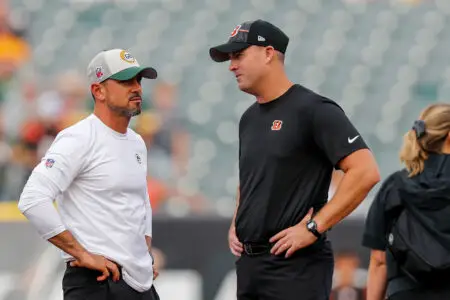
(222, 52)
(132, 72)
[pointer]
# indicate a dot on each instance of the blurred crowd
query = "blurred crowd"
(33, 112)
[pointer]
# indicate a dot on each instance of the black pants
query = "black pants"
(307, 275)
(82, 284)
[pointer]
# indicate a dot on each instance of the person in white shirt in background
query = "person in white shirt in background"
(96, 170)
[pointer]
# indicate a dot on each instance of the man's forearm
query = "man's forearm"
(238, 196)
(67, 242)
(352, 190)
(148, 240)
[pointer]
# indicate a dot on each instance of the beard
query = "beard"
(124, 111)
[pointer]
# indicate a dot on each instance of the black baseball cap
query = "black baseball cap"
(257, 33)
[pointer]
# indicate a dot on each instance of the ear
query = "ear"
(447, 140)
(98, 91)
(270, 54)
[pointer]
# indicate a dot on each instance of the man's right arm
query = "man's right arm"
(36, 204)
(238, 196)
(233, 242)
(67, 242)
(52, 176)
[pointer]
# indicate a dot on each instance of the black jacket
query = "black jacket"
(427, 195)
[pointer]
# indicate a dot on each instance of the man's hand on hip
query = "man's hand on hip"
(155, 273)
(99, 263)
(293, 238)
(233, 242)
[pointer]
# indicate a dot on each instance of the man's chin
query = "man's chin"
(245, 88)
(135, 112)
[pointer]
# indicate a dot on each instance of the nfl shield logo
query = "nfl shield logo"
(99, 72)
(138, 158)
(49, 163)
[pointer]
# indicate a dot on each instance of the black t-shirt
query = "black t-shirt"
(287, 150)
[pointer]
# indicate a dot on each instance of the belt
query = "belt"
(254, 249)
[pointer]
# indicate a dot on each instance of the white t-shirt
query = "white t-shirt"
(103, 200)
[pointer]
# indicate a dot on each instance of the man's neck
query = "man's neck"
(273, 87)
(116, 123)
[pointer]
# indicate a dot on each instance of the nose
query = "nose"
(233, 65)
(136, 86)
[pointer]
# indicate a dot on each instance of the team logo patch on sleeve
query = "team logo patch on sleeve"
(276, 125)
(49, 163)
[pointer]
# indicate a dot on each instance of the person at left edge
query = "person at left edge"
(96, 169)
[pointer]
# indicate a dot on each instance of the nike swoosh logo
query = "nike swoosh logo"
(353, 139)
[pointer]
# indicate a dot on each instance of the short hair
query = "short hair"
(280, 56)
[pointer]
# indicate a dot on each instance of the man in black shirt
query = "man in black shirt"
(289, 141)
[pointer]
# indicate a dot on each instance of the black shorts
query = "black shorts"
(307, 275)
(82, 284)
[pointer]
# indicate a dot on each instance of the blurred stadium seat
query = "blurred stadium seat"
(373, 58)
(382, 61)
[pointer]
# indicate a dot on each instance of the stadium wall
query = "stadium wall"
(198, 264)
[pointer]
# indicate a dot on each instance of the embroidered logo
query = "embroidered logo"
(235, 31)
(276, 125)
(49, 163)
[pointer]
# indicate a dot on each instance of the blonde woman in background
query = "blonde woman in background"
(423, 189)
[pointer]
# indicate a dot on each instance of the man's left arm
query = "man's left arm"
(148, 222)
(344, 148)
(360, 176)
(148, 208)
(148, 234)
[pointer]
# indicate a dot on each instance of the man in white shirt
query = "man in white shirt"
(96, 171)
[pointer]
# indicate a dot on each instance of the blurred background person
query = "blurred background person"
(413, 206)
(349, 281)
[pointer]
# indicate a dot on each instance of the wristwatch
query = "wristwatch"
(312, 227)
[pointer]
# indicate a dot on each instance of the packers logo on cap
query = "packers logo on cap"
(124, 55)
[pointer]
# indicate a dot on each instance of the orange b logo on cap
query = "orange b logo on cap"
(124, 55)
(235, 31)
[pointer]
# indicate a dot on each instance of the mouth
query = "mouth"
(136, 99)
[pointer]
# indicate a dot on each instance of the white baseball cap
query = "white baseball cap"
(116, 64)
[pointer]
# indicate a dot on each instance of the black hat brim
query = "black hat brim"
(222, 52)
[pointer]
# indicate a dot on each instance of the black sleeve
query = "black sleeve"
(333, 132)
(376, 224)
